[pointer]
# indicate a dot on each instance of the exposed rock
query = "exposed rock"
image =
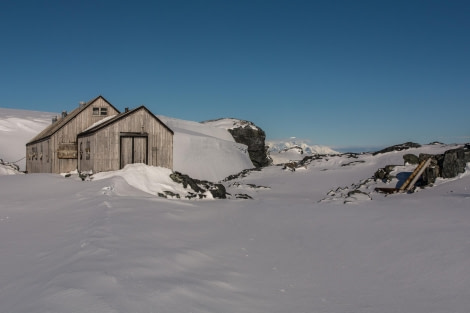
(13, 166)
(430, 174)
(411, 159)
(243, 173)
(353, 163)
(290, 166)
(199, 186)
(400, 147)
(243, 196)
(433, 171)
(383, 174)
(309, 158)
(455, 161)
(254, 138)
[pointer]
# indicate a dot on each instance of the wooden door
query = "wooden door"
(133, 150)
(140, 150)
(126, 151)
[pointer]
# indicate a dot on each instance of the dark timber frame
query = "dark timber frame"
(132, 136)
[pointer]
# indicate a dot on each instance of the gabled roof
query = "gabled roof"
(119, 117)
(53, 128)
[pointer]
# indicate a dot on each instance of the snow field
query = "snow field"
(111, 245)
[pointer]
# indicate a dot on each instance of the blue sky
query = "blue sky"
(339, 73)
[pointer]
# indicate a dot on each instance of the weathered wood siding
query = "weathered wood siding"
(38, 157)
(68, 133)
(105, 144)
(67, 137)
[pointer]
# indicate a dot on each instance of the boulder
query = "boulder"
(455, 161)
(430, 174)
(410, 159)
(383, 174)
(254, 138)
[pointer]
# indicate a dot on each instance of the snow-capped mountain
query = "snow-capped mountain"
(282, 151)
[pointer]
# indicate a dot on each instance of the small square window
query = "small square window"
(100, 111)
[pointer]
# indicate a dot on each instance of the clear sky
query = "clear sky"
(340, 73)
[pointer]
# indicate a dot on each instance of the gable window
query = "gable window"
(100, 111)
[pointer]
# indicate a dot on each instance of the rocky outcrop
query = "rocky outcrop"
(200, 187)
(455, 161)
(448, 165)
(254, 138)
(400, 147)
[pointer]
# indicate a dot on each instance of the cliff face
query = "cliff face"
(254, 138)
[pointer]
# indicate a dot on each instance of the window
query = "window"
(34, 153)
(87, 150)
(100, 111)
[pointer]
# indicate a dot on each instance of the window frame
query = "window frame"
(100, 111)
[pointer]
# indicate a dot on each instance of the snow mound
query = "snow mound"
(204, 151)
(150, 179)
(8, 169)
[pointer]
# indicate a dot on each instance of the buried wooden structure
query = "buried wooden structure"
(135, 136)
(54, 150)
(97, 137)
(411, 180)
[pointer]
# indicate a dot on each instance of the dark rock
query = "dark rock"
(353, 163)
(455, 161)
(400, 147)
(430, 174)
(411, 159)
(199, 186)
(218, 191)
(290, 166)
(186, 180)
(254, 138)
(309, 158)
(243, 196)
(165, 194)
(384, 173)
(243, 173)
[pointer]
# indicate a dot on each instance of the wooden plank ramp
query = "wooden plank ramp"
(411, 181)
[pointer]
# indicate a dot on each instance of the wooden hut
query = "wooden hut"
(55, 149)
(135, 136)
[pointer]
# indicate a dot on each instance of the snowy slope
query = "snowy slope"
(205, 151)
(17, 127)
(110, 245)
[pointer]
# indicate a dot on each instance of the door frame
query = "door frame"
(133, 136)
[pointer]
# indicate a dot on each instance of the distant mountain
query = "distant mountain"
(294, 149)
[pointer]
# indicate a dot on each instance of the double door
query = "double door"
(134, 149)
